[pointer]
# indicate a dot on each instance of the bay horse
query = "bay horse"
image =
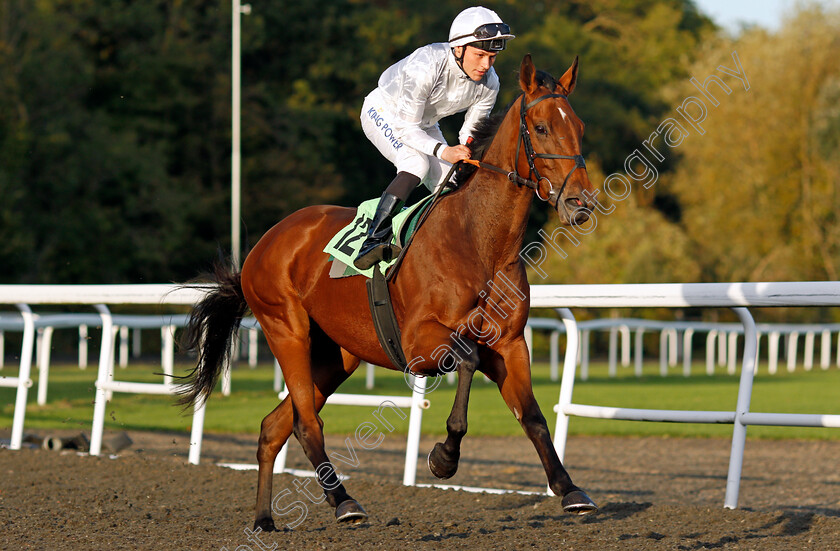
(455, 297)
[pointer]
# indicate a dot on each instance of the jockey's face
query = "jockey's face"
(476, 62)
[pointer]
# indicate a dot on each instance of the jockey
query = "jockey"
(401, 115)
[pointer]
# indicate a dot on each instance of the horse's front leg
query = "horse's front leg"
(510, 367)
(443, 459)
(460, 354)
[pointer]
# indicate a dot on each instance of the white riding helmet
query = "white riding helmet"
(481, 28)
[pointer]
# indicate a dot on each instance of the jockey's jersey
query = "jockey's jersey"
(427, 86)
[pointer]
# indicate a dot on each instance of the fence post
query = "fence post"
(739, 429)
(253, 347)
(773, 352)
(167, 334)
(710, 352)
(555, 354)
(625, 345)
(278, 376)
(792, 343)
(584, 355)
(561, 429)
(640, 333)
(663, 352)
(83, 346)
(369, 376)
(136, 343)
(808, 353)
(124, 346)
(825, 350)
(688, 334)
(197, 430)
(528, 333)
(418, 394)
(44, 364)
(732, 349)
(104, 375)
(23, 375)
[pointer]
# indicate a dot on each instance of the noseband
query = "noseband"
(524, 142)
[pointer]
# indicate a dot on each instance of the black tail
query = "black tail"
(213, 323)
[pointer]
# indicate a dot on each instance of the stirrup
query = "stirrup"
(377, 246)
(379, 252)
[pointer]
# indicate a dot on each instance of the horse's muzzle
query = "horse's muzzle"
(573, 210)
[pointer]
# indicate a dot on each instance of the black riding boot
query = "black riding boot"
(377, 246)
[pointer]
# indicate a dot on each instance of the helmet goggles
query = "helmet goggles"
(491, 37)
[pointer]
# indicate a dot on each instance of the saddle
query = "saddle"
(345, 244)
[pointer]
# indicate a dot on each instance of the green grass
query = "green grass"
(71, 392)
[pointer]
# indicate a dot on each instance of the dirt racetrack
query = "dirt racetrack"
(654, 493)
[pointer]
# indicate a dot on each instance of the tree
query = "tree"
(115, 115)
(759, 191)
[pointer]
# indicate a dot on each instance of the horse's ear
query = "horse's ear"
(528, 75)
(566, 84)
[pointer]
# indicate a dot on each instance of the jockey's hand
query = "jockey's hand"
(453, 154)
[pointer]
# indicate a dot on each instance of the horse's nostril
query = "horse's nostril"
(574, 203)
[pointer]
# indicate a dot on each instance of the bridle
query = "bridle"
(553, 196)
(524, 142)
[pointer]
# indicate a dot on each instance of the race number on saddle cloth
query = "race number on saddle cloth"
(344, 246)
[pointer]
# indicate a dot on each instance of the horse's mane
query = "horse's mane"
(486, 130)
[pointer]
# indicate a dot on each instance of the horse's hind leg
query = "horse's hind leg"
(511, 371)
(330, 367)
(326, 357)
(274, 432)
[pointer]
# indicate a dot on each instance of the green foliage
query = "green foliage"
(632, 244)
(753, 198)
(115, 115)
(760, 190)
(115, 132)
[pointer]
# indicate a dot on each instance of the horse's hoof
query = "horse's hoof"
(350, 511)
(440, 466)
(265, 524)
(578, 503)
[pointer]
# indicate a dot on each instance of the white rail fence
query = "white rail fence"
(415, 403)
(100, 295)
(122, 324)
(737, 296)
(676, 340)
(97, 296)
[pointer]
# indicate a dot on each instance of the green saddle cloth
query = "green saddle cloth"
(345, 245)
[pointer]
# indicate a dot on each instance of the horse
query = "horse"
(461, 297)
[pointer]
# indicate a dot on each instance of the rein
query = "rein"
(525, 143)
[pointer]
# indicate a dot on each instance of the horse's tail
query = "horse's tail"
(210, 331)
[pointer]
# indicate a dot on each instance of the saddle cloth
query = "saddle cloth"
(344, 246)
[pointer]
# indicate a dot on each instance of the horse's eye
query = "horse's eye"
(541, 129)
